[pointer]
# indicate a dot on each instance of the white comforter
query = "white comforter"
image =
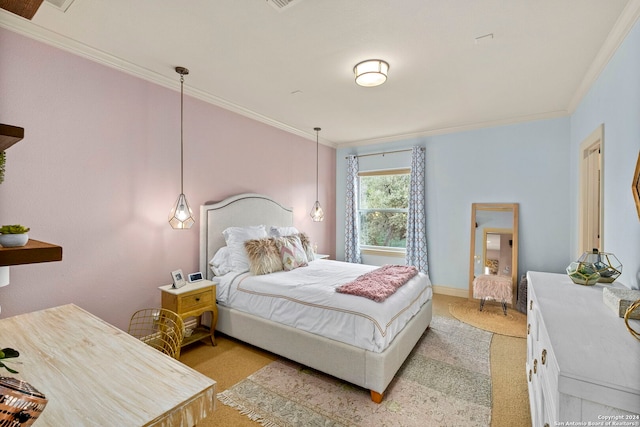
(305, 298)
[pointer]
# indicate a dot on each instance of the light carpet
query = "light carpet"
(491, 318)
(445, 381)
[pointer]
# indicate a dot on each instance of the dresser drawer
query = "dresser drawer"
(196, 301)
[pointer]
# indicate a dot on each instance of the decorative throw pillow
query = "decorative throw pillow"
(264, 256)
(291, 252)
(306, 245)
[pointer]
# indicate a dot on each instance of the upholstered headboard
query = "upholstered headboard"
(236, 211)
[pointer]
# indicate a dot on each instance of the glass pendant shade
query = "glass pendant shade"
(317, 214)
(181, 215)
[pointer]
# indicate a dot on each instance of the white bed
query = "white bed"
(371, 369)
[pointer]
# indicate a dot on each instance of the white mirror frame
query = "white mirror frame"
(498, 207)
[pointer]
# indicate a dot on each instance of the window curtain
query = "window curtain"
(416, 218)
(351, 244)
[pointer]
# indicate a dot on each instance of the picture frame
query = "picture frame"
(635, 186)
(178, 279)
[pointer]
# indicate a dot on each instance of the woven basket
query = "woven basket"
(20, 403)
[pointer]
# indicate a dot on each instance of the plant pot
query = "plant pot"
(20, 403)
(13, 240)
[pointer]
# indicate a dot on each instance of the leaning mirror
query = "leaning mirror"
(494, 246)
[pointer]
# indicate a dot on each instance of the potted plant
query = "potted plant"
(12, 236)
(7, 353)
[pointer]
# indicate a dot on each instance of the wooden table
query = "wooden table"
(94, 374)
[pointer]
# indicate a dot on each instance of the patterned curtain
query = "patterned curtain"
(351, 244)
(416, 219)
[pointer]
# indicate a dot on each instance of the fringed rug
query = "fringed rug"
(445, 381)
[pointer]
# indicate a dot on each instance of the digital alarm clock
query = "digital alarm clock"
(195, 277)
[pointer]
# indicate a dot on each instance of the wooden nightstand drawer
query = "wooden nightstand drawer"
(196, 301)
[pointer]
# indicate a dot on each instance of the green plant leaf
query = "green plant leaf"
(9, 352)
(13, 371)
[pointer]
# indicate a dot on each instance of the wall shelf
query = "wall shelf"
(34, 251)
(9, 135)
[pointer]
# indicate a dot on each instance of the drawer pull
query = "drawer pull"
(531, 305)
(529, 329)
(535, 366)
(546, 424)
(197, 299)
(544, 356)
(529, 375)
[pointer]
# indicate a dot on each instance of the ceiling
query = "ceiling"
(454, 65)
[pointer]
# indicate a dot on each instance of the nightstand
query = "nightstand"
(321, 256)
(192, 300)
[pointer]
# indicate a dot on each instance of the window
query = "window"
(383, 207)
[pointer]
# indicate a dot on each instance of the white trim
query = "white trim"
(621, 28)
(592, 142)
(623, 25)
(447, 290)
(383, 251)
(27, 28)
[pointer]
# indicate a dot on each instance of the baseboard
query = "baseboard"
(454, 292)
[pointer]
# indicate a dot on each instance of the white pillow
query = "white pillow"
(282, 231)
(235, 238)
(220, 264)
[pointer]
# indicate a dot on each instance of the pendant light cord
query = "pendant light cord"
(317, 160)
(181, 133)
(317, 165)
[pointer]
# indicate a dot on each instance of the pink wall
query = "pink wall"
(99, 169)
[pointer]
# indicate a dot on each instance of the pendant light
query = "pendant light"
(317, 214)
(181, 216)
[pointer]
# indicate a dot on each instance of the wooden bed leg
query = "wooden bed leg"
(376, 397)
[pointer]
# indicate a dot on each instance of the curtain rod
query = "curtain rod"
(385, 152)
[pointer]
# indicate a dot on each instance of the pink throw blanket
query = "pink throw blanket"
(380, 283)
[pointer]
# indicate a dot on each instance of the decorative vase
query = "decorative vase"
(13, 240)
(583, 273)
(20, 403)
(595, 266)
(607, 265)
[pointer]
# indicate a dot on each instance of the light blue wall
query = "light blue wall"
(534, 164)
(615, 101)
(524, 163)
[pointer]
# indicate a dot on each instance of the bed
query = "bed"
(372, 369)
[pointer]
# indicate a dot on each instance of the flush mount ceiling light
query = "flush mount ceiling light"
(181, 216)
(372, 72)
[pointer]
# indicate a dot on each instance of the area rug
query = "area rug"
(445, 381)
(491, 318)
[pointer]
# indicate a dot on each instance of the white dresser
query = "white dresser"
(582, 363)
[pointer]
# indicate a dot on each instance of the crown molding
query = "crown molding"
(458, 129)
(618, 33)
(29, 29)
